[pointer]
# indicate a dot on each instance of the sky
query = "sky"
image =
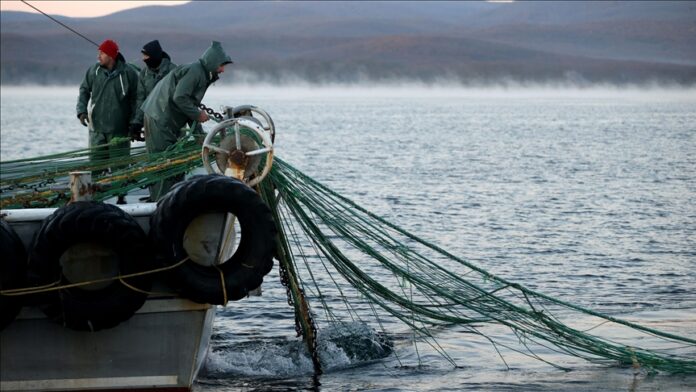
(79, 8)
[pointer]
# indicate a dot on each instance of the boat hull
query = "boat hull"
(161, 347)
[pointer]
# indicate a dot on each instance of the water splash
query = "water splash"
(341, 345)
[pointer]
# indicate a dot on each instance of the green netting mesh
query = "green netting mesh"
(424, 286)
(44, 181)
(354, 265)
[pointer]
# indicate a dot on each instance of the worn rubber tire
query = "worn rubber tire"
(94, 222)
(13, 272)
(253, 259)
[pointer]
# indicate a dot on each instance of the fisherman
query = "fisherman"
(158, 64)
(174, 103)
(107, 103)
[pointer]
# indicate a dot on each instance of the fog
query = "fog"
(246, 92)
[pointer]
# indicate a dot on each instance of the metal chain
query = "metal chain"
(284, 281)
(218, 117)
(314, 348)
(302, 312)
(313, 343)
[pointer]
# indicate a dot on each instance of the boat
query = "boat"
(64, 337)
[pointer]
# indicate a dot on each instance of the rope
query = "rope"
(52, 287)
(224, 286)
(10, 291)
(158, 293)
(62, 24)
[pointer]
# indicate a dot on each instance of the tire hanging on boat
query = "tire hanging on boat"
(110, 228)
(13, 272)
(245, 269)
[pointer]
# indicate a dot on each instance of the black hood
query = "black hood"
(154, 51)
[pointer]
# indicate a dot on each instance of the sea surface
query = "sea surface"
(586, 195)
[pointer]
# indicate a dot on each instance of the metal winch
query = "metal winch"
(244, 148)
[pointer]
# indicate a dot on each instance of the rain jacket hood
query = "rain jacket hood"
(174, 100)
(120, 58)
(214, 57)
(148, 79)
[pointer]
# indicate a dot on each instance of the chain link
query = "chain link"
(218, 117)
(314, 344)
(314, 348)
(284, 281)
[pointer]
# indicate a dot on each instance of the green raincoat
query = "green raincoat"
(109, 99)
(173, 103)
(147, 79)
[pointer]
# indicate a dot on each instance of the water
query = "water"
(589, 196)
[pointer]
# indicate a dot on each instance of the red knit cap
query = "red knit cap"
(110, 48)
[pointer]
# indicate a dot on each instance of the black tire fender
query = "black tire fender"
(13, 272)
(106, 225)
(245, 269)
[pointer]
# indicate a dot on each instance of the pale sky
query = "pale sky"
(94, 8)
(78, 8)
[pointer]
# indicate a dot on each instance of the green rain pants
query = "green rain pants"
(158, 137)
(110, 152)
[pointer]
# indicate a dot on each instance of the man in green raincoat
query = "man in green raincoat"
(107, 102)
(158, 65)
(173, 103)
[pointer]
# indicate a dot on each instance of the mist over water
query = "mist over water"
(586, 194)
(445, 88)
(503, 90)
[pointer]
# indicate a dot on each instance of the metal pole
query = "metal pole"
(80, 186)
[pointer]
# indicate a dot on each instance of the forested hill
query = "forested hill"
(469, 42)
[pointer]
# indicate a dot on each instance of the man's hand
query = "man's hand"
(203, 117)
(136, 132)
(84, 120)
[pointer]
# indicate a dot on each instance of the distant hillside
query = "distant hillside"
(617, 42)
